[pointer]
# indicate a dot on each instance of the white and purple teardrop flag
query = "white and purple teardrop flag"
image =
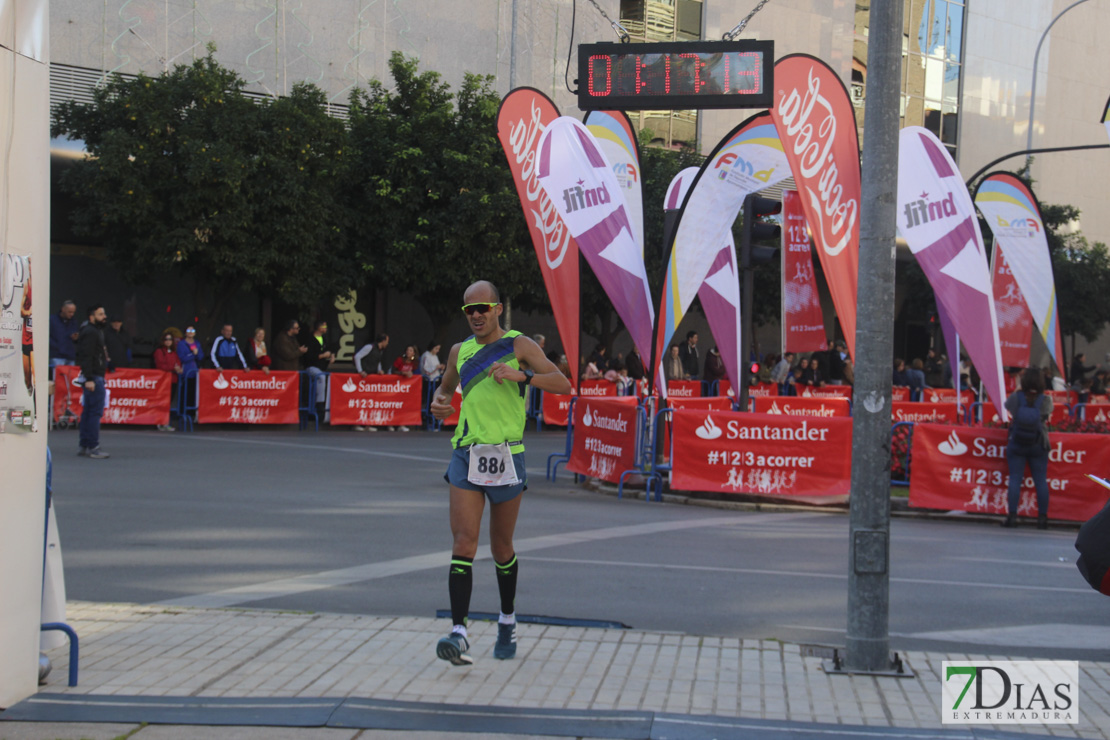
(937, 219)
(584, 190)
(720, 291)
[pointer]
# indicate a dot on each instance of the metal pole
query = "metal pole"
(868, 636)
(1033, 93)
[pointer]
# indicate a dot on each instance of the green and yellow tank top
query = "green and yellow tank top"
(492, 412)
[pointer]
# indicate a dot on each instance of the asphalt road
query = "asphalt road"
(357, 523)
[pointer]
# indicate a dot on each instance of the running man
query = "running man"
(494, 366)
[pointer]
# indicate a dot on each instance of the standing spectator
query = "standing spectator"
(688, 353)
(916, 375)
(806, 378)
(226, 354)
(1030, 409)
(672, 366)
(92, 356)
(408, 363)
(165, 358)
(64, 328)
(599, 360)
(118, 342)
(368, 360)
(934, 369)
(188, 350)
(838, 358)
(635, 364)
(714, 366)
(288, 349)
(430, 366)
(539, 339)
(1052, 378)
(781, 370)
(317, 360)
(900, 377)
(1079, 370)
(258, 358)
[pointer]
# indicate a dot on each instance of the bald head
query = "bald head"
(482, 291)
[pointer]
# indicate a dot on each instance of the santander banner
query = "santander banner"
(522, 119)
(825, 391)
(1060, 413)
(937, 219)
(245, 397)
(584, 190)
(964, 469)
(135, 396)
(375, 400)
(803, 323)
(684, 388)
(556, 407)
(799, 457)
(936, 413)
(604, 444)
(817, 125)
(795, 406)
(1015, 323)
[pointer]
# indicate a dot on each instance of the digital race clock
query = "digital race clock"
(673, 75)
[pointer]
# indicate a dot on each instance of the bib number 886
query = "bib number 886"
(494, 465)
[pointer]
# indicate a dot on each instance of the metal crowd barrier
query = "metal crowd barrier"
(555, 458)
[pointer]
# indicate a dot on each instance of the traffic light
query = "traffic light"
(755, 230)
(754, 369)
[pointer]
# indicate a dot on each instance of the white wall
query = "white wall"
(24, 227)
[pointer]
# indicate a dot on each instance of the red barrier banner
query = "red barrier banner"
(1097, 412)
(604, 444)
(684, 388)
(456, 403)
(923, 411)
(724, 388)
(556, 408)
(709, 403)
(597, 387)
(1062, 397)
(795, 406)
(803, 323)
(1060, 413)
(762, 390)
(136, 396)
(825, 391)
(964, 469)
(900, 393)
(376, 400)
(799, 457)
(942, 395)
(246, 397)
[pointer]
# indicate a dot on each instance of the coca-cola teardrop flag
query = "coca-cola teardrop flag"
(817, 124)
(617, 139)
(1015, 323)
(937, 220)
(581, 185)
(522, 119)
(748, 159)
(803, 322)
(1014, 216)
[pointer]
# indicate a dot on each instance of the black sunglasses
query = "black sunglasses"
(473, 308)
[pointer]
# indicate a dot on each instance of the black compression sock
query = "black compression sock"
(506, 584)
(460, 582)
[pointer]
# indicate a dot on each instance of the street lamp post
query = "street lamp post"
(1033, 95)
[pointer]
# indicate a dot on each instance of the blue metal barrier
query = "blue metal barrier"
(640, 459)
(309, 388)
(655, 469)
(902, 428)
(74, 650)
(187, 399)
(556, 458)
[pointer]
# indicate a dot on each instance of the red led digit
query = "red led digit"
(697, 70)
(754, 74)
(640, 84)
(608, 75)
(667, 74)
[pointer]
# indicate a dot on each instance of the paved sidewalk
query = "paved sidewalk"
(251, 654)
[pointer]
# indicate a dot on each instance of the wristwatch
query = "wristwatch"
(528, 375)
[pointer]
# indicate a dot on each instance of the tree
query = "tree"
(1082, 273)
(188, 176)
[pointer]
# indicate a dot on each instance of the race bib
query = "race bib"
(492, 465)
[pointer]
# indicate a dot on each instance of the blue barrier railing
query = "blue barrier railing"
(640, 459)
(656, 469)
(555, 458)
(187, 400)
(308, 409)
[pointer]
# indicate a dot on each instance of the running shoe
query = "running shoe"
(453, 649)
(506, 641)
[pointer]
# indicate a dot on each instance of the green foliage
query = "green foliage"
(1082, 273)
(188, 175)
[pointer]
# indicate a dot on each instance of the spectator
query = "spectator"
(258, 358)
(430, 366)
(92, 356)
(714, 366)
(1078, 369)
(226, 354)
(539, 339)
(408, 363)
(591, 371)
(188, 351)
(688, 353)
(838, 356)
(673, 368)
(64, 328)
(965, 372)
(317, 360)
(900, 377)
(806, 378)
(564, 366)
(599, 360)
(165, 358)
(635, 364)
(793, 381)
(934, 369)
(1099, 384)
(916, 375)
(288, 349)
(1051, 378)
(118, 342)
(1027, 445)
(368, 360)
(781, 370)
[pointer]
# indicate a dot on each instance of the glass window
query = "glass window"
(953, 45)
(937, 28)
(948, 125)
(952, 84)
(932, 117)
(923, 29)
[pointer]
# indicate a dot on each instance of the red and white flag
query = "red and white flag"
(803, 323)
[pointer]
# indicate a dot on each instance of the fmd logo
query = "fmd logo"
(1010, 692)
(1029, 225)
(732, 163)
(923, 210)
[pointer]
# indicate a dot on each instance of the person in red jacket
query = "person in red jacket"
(165, 358)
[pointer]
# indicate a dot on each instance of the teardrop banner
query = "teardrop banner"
(817, 125)
(937, 219)
(523, 117)
(1012, 212)
(617, 139)
(1015, 323)
(800, 457)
